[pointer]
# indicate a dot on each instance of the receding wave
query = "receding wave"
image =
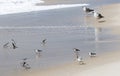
(21, 6)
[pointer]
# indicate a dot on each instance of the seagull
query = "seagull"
(14, 46)
(6, 45)
(38, 51)
(25, 65)
(92, 54)
(44, 41)
(75, 49)
(97, 15)
(87, 10)
(80, 60)
(76, 52)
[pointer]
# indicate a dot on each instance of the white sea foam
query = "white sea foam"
(20, 6)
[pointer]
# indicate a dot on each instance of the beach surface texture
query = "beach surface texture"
(107, 64)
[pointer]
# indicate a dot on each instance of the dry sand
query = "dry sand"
(104, 65)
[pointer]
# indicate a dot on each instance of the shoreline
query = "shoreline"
(92, 64)
(74, 68)
(50, 2)
(108, 11)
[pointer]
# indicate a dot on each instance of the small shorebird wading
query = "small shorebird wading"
(76, 51)
(92, 54)
(87, 10)
(97, 15)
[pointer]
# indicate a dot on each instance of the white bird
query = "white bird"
(87, 10)
(38, 53)
(6, 45)
(25, 65)
(76, 51)
(97, 15)
(44, 41)
(92, 54)
(80, 60)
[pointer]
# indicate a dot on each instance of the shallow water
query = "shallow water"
(64, 30)
(58, 49)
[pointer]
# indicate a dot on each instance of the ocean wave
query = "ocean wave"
(21, 6)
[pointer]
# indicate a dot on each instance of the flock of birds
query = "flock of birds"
(25, 64)
(95, 14)
(77, 51)
(79, 58)
(12, 45)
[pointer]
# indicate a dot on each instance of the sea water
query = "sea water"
(64, 30)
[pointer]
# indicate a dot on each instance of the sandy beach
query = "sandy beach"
(63, 29)
(112, 15)
(107, 64)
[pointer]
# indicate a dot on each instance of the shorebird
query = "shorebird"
(44, 41)
(76, 51)
(25, 65)
(87, 10)
(38, 51)
(80, 60)
(6, 45)
(14, 46)
(92, 54)
(97, 15)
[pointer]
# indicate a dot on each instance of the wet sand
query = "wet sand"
(91, 2)
(91, 67)
(61, 40)
(49, 2)
(102, 65)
